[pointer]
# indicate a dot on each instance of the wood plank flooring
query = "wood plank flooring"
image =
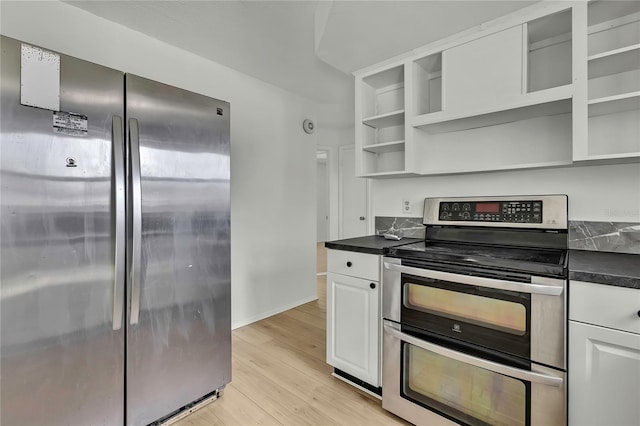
(321, 258)
(280, 377)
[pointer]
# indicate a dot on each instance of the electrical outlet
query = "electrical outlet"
(406, 206)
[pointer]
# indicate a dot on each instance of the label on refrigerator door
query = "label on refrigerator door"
(39, 78)
(69, 123)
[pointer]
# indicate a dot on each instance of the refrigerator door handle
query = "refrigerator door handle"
(120, 220)
(136, 225)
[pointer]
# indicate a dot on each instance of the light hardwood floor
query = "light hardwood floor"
(280, 377)
(321, 258)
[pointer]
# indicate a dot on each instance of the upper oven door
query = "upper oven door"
(508, 318)
(496, 319)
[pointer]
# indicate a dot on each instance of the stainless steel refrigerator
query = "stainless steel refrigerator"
(115, 246)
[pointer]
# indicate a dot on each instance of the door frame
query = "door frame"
(368, 223)
(332, 194)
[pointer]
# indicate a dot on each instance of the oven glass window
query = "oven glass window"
(471, 394)
(492, 313)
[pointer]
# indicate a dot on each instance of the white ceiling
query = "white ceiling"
(307, 47)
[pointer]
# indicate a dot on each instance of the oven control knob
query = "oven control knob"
(444, 215)
(466, 215)
(372, 285)
(349, 264)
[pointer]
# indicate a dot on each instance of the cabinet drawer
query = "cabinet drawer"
(361, 265)
(605, 305)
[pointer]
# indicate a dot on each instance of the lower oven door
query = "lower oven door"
(426, 383)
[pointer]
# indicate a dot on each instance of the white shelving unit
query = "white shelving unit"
(546, 86)
(380, 133)
(613, 88)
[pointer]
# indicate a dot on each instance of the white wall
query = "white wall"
(272, 159)
(597, 193)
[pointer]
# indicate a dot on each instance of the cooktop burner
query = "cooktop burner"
(528, 260)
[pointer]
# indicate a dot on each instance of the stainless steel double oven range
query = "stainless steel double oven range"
(475, 316)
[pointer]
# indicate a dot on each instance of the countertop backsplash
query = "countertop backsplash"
(616, 237)
(410, 227)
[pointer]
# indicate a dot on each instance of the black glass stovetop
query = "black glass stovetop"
(535, 261)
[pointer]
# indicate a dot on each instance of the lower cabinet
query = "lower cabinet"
(604, 355)
(353, 324)
(604, 383)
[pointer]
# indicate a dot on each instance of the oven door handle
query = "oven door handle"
(539, 285)
(529, 376)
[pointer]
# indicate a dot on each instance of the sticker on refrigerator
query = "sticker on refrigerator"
(68, 123)
(39, 78)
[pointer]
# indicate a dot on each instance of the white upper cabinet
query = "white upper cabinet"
(549, 85)
(485, 71)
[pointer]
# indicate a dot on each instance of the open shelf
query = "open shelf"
(627, 157)
(386, 78)
(428, 84)
(392, 146)
(390, 174)
(543, 103)
(525, 144)
(394, 118)
(548, 51)
(612, 25)
(613, 46)
(383, 92)
(524, 166)
(614, 104)
(614, 61)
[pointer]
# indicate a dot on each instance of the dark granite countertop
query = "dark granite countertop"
(618, 269)
(373, 244)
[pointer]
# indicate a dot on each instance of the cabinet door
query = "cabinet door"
(483, 72)
(353, 326)
(604, 376)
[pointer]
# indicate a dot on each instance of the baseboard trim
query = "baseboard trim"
(272, 312)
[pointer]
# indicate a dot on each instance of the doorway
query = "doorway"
(323, 206)
(353, 219)
(322, 191)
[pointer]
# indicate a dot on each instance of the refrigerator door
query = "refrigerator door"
(179, 311)
(62, 350)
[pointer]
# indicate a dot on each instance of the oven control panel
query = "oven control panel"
(529, 211)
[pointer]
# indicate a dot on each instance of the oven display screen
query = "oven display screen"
(516, 211)
(488, 207)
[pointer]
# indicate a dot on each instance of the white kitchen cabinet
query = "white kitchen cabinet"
(484, 71)
(353, 314)
(495, 98)
(604, 362)
(546, 86)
